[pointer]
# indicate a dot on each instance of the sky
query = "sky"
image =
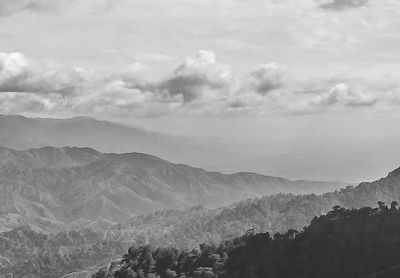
(308, 89)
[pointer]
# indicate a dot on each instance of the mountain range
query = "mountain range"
(19, 132)
(67, 210)
(24, 250)
(53, 188)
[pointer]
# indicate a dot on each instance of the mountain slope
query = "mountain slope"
(357, 243)
(276, 213)
(53, 187)
(185, 229)
(27, 252)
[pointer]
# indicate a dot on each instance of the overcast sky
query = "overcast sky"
(310, 86)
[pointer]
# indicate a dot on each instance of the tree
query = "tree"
(382, 207)
(393, 207)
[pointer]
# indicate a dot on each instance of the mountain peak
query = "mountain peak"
(139, 160)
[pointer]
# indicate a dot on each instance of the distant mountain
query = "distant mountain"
(20, 133)
(53, 188)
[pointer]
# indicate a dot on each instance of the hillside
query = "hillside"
(276, 213)
(53, 188)
(188, 228)
(24, 251)
(357, 243)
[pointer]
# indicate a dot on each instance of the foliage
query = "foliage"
(24, 251)
(275, 213)
(343, 243)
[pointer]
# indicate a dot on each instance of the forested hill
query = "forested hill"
(276, 213)
(25, 253)
(357, 243)
(24, 250)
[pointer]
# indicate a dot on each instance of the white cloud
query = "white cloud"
(12, 64)
(19, 74)
(200, 85)
(344, 95)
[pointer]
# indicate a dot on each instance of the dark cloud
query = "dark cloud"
(265, 79)
(343, 4)
(191, 87)
(199, 76)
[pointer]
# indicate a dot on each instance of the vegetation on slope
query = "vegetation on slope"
(341, 244)
(24, 251)
(276, 213)
(57, 188)
(183, 229)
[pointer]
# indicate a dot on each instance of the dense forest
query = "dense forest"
(343, 243)
(273, 213)
(27, 253)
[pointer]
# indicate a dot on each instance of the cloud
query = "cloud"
(344, 95)
(343, 4)
(320, 96)
(265, 79)
(199, 77)
(118, 100)
(200, 85)
(12, 66)
(19, 74)
(207, 86)
(16, 103)
(9, 7)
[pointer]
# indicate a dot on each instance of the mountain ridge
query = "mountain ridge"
(20, 133)
(274, 213)
(186, 229)
(54, 187)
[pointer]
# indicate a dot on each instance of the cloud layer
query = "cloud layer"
(200, 85)
(288, 56)
(9, 7)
